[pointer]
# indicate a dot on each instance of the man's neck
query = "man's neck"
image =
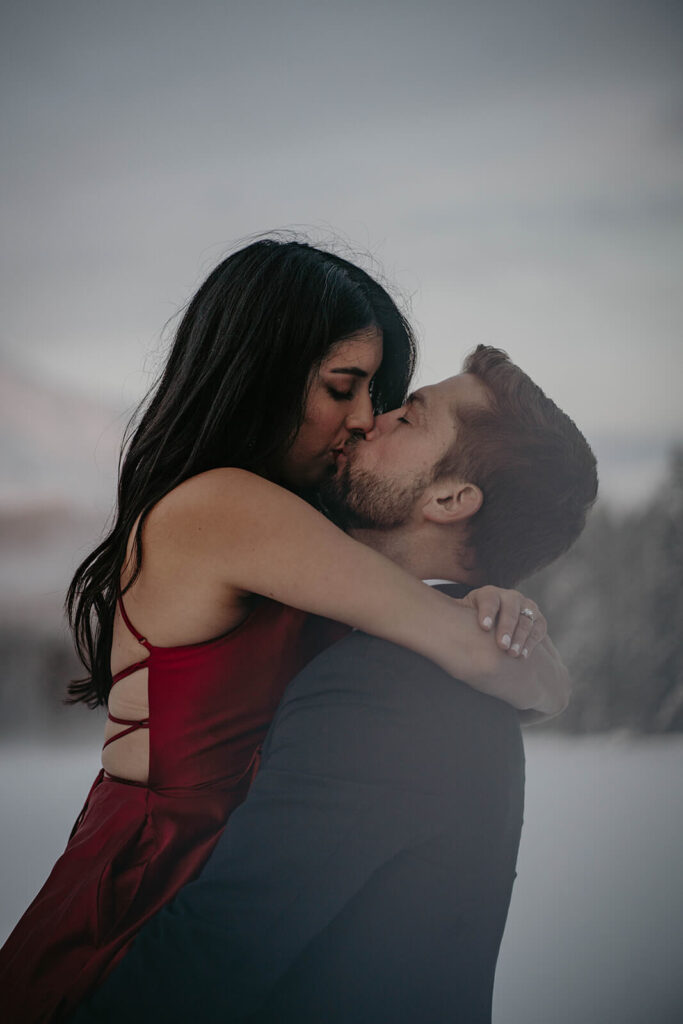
(414, 553)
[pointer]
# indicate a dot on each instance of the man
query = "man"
(368, 875)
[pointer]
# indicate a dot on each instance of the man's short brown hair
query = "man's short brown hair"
(535, 468)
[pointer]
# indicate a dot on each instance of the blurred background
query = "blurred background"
(513, 170)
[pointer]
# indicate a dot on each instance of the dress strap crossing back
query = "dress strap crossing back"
(131, 628)
(133, 723)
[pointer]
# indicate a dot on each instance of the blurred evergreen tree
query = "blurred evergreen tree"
(614, 605)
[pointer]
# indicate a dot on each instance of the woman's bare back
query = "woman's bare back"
(176, 600)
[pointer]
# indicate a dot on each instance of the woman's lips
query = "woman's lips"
(339, 455)
(342, 451)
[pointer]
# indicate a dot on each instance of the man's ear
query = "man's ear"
(451, 501)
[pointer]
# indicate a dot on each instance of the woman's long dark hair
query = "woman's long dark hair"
(232, 393)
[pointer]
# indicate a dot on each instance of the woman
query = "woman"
(190, 617)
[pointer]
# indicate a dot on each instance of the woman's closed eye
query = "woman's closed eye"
(340, 396)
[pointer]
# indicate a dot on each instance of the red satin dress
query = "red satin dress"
(133, 846)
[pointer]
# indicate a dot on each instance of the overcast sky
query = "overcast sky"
(514, 167)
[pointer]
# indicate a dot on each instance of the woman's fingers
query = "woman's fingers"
(519, 625)
(487, 602)
(508, 618)
(530, 630)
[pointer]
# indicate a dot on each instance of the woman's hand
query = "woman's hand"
(519, 624)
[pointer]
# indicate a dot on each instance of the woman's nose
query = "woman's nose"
(362, 416)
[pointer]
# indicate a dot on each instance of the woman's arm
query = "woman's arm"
(260, 538)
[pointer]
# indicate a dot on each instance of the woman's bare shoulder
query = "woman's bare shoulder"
(224, 484)
(185, 591)
(220, 505)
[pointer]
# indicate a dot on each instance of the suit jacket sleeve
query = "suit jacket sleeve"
(377, 761)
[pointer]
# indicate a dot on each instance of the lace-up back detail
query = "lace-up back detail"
(213, 700)
(133, 723)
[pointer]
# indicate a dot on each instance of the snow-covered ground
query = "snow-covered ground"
(595, 932)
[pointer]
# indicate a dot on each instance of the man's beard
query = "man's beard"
(358, 500)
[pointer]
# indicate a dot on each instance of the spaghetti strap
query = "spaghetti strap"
(131, 628)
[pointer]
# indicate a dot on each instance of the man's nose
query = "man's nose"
(362, 416)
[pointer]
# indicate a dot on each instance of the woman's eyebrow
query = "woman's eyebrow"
(353, 371)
